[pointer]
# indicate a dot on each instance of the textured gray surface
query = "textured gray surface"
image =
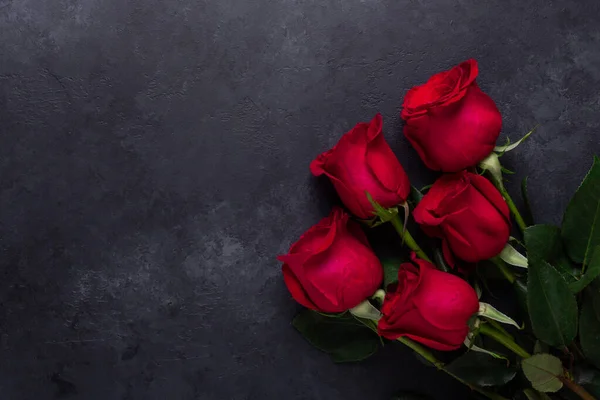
(154, 160)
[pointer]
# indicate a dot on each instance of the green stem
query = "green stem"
(407, 238)
(499, 327)
(488, 330)
(511, 204)
(509, 343)
(504, 268)
(577, 389)
(428, 355)
(422, 351)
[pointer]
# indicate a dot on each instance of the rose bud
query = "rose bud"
(428, 306)
(361, 162)
(332, 268)
(449, 121)
(468, 213)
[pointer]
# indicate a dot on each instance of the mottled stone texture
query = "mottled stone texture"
(154, 159)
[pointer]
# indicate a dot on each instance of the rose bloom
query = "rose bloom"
(468, 213)
(449, 121)
(332, 268)
(361, 162)
(429, 306)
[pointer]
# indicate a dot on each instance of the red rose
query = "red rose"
(362, 161)
(332, 268)
(449, 121)
(468, 213)
(429, 306)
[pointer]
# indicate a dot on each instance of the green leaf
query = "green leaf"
(581, 222)
(528, 213)
(488, 311)
(511, 256)
(344, 338)
(594, 289)
(333, 315)
(391, 266)
(552, 306)
(509, 147)
(474, 343)
(543, 371)
(478, 288)
(482, 370)
(514, 239)
(543, 243)
(366, 310)
(591, 272)
(589, 331)
(520, 286)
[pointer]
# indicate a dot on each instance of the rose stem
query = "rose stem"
(511, 204)
(510, 344)
(427, 355)
(498, 327)
(505, 269)
(407, 238)
(577, 389)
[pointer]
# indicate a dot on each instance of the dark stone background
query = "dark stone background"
(154, 160)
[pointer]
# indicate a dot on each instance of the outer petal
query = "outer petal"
(317, 166)
(444, 300)
(355, 230)
(481, 230)
(464, 133)
(417, 328)
(320, 236)
(314, 243)
(423, 264)
(441, 89)
(346, 168)
(344, 275)
(462, 247)
(295, 288)
(417, 131)
(451, 340)
(428, 210)
(469, 70)
(428, 306)
(357, 204)
(363, 162)
(411, 103)
(384, 165)
(489, 191)
(456, 196)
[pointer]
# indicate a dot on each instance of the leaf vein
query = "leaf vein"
(554, 318)
(587, 249)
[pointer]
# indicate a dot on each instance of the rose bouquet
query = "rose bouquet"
(431, 301)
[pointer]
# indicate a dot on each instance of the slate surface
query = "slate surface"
(154, 160)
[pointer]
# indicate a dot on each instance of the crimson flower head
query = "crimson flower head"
(468, 213)
(449, 121)
(332, 268)
(428, 306)
(361, 162)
